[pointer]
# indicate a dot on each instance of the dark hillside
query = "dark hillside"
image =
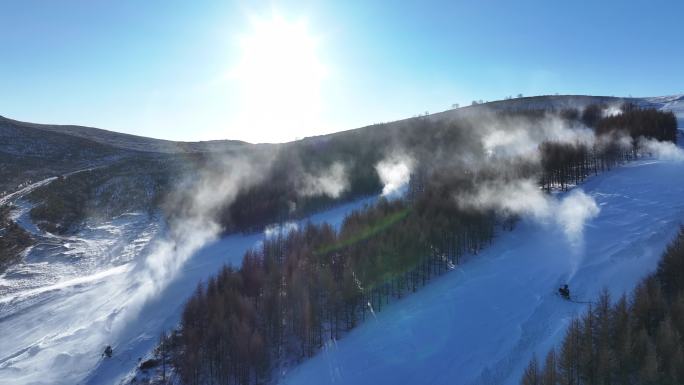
(128, 141)
(30, 154)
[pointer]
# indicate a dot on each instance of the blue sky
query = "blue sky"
(182, 70)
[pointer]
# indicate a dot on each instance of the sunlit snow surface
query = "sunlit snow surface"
(482, 322)
(71, 296)
(58, 305)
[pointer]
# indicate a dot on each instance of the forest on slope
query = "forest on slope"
(305, 286)
(437, 146)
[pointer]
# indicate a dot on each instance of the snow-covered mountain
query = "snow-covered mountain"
(101, 284)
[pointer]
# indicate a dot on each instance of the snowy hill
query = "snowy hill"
(55, 311)
(482, 322)
(117, 281)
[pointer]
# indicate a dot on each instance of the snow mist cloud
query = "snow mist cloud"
(524, 198)
(194, 224)
(611, 110)
(196, 203)
(520, 197)
(518, 137)
(573, 211)
(202, 196)
(280, 230)
(661, 150)
(331, 182)
(394, 172)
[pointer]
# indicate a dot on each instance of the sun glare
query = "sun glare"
(279, 75)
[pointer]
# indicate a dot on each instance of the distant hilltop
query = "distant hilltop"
(674, 103)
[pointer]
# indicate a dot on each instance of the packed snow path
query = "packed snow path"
(481, 323)
(28, 189)
(54, 327)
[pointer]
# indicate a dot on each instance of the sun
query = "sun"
(279, 76)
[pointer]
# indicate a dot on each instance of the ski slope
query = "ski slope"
(478, 324)
(72, 296)
(481, 323)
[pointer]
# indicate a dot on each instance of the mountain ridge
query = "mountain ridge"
(148, 144)
(127, 141)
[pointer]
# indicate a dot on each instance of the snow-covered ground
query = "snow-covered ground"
(25, 190)
(54, 305)
(478, 324)
(60, 261)
(71, 296)
(481, 323)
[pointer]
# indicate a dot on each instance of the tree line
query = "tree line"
(639, 340)
(276, 197)
(638, 122)
(565, 164)
(311, 285)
